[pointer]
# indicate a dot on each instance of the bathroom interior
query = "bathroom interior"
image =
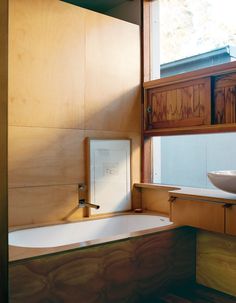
(118, 168)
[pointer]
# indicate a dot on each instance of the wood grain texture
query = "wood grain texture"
(112, 94)
(225, 105)
(46, 64)
(230, 222)
(3, 150)
(34, 205)
(146, 40)
(206, 129)
(45, 156)
(216, 70)
(125, 271)
(216, 261)
(156, 200)
(225, 80)
(225, 98)
(147, 164)
(60, 53)
(203, 194)
(180, 105)
(197, 214)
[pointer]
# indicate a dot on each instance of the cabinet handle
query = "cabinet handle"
(149, 109)
(149, 117)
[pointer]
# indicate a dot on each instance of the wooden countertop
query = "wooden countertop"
(192, 193)
(213, 195)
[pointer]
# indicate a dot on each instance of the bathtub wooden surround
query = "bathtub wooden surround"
(131, 270)
(216, 261)
(73, 73)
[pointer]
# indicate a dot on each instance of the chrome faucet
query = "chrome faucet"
(82, 203)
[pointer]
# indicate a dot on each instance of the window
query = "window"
(185, 160)
(187, 35)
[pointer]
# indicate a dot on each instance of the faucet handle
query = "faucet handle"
(83, 203)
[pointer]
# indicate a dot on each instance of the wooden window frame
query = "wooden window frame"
(147, 83)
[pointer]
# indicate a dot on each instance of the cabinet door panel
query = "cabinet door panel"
(179, 105)
(225, 99)
(201, 214)
(231, 220)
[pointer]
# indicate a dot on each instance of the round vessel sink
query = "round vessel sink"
(224, 180)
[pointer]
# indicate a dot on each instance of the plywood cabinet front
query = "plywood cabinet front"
(225, 99)
(184, 104)
(230, 224)
(201, 214)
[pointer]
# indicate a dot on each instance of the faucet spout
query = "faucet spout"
(82, 203)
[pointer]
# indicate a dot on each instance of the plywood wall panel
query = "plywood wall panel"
(156, 200)
(45, 156)
(112, 94)
(46, 64)
(216, 261)
(35, 205)
(61, 56)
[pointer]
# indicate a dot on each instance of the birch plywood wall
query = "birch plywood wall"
(73, 74)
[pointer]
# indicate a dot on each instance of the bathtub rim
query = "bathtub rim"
(17, 253)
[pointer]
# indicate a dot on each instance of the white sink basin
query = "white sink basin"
(225, 180)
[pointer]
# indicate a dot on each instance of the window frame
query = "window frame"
(146, 150)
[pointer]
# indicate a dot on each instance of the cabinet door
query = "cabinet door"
(231, 220)
(201, 214)
(225, 99)
(179, 105)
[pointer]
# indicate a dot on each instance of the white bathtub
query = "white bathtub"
(83, 231)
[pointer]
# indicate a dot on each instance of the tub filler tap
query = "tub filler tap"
(82, 203)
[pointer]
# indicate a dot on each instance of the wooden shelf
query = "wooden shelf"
(193, 75)
(206, 129)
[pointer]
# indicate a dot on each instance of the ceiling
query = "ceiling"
(101, 6)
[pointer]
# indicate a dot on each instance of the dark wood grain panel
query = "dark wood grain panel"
(225, 80)
(225, 104)
(124, 271)
(3, 150)
(225, 98)
(179, 105)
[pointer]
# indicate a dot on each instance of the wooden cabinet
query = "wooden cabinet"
(200, 214)
(230, 220)
(200, 101)
(209, 215)
(225, 99)
(179, 105)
